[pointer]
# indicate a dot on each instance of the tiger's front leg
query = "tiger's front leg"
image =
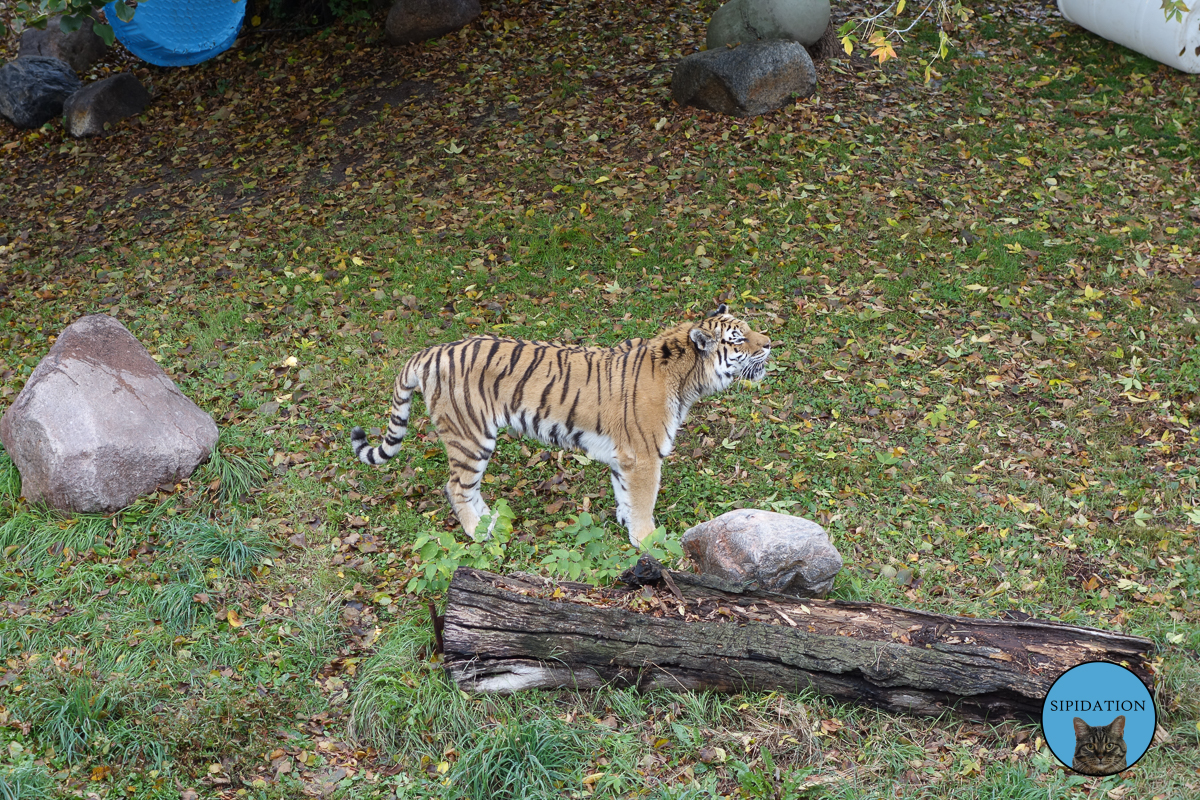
(635, 484)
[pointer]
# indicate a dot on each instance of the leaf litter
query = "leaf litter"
(987, 288)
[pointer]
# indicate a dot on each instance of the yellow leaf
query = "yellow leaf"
(899, 8)
(846, 45)
(256, 20)
(883, 52)
(591, 779)
(358, 262)
(233, 619)
(601, 179)
(1024, 161)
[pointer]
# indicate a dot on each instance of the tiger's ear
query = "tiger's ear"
(701, 338)
(1117, 726)
(1081, 728)
(721, 309)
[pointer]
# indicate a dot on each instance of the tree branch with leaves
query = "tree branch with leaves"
(75, 14)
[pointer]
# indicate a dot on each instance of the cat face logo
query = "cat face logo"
(1098, 718)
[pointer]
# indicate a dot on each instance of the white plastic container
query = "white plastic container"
(1141, 26)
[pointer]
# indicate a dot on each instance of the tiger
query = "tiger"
(621, 406)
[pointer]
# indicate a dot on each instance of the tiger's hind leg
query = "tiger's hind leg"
(468, 458)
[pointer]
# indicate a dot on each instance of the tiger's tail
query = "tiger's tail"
(406, 383)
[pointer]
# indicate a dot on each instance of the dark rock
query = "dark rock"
(782, 553)
(32, 90)
(104, 102)
(745, 81)
(78, 48)
(418, 20)
(99, 423)
(744, 21)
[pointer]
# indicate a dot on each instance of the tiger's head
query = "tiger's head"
(728, 349)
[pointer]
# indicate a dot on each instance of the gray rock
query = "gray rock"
(745, 81)
(418, 20)
(784, 554)
(104, 102)
(745, 21)
(99, 423)
(78, 48)
(32, 90)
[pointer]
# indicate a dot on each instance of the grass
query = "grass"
(24, 780)
(519, 760)
(985, 384)
(234, 548)
(235, 472)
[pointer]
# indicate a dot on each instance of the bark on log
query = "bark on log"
(505, 634)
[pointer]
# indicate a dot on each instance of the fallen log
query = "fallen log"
(509, 633)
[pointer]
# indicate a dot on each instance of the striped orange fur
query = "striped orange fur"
(622, 405)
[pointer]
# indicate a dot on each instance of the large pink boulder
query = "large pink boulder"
(99, 423)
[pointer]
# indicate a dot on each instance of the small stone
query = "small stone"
(78, 49)
(745, 81)
(782, 553)
(104, 102)
(744, 21)
(417, 20)
(34, 88)
(99, 424)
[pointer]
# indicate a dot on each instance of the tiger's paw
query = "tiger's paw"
(484, 533)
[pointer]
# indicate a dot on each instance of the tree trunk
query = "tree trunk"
(504, 634)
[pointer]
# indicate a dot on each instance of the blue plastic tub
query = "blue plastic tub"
(176, 33)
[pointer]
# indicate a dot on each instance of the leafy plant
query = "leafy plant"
(441, 553)
(768, 781)
(587, 555)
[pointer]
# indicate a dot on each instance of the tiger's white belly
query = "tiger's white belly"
(598, 447)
